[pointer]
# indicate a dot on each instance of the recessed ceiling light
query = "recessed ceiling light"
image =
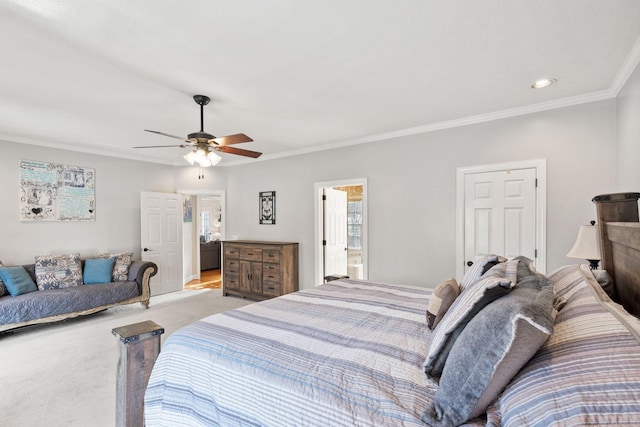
(543, 83)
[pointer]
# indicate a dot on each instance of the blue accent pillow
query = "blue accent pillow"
(17, 280)
(98, 270)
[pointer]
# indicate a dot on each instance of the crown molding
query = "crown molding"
(629, 65)
(465, 121)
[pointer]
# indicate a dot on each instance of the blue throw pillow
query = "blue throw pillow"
(17, 280)
(98, 270)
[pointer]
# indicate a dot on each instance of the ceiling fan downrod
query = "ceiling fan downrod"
(201, 100)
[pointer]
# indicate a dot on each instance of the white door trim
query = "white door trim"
(541, 207)
(223, 227)
(317, 209)
(223, 211)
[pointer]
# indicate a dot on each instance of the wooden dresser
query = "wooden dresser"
(259, 270)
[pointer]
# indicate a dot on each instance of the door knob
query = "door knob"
(469, 263)
(146, 249)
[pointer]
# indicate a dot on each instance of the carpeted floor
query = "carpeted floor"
(64, 374)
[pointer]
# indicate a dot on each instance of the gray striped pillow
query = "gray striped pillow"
(470, 302)
(479, 267)
(491, 350)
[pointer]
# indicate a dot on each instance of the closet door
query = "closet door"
(500, 214)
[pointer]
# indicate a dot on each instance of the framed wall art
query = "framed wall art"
(267, 207)
(187, 209)
(56, 192)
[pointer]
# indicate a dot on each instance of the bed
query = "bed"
(513, 348)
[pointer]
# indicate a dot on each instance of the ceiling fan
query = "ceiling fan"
(204, 144)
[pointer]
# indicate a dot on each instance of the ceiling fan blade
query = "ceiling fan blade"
(162, 146)
(231, 139)
(166, 134)
(238, 151)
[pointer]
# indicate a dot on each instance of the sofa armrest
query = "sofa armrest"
(137, 272)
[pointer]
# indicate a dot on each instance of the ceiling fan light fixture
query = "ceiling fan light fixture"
(190, 157)
(213, 158)
(204, 163)
(200, 157)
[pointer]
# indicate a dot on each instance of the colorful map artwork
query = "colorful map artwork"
(55, 192)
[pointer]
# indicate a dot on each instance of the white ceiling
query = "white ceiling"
(296, 76)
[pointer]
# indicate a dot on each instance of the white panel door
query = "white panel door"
(500, 214)
(161, 239)
(335, 232)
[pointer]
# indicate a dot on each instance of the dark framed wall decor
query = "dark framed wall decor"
(267, 207)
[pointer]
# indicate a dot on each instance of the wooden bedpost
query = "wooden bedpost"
(612, 209)
(618, 207)
(139, 345)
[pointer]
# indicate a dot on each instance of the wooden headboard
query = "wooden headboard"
(619, 239)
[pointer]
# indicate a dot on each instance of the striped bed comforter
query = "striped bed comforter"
(349, 353)
(346, 353)
(587, 373)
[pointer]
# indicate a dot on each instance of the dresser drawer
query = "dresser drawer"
(271, 272)
(231, 266)
(271, 288)
(231, 251)
(231, 282)
(251, 254)
(271, 255)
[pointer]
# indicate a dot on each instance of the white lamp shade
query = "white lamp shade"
(213, 158)
(190, 157)
(203, 157)
(586, 246)
(204, 163)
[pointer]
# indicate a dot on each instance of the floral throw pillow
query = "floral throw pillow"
(58, 271)
(121, 267)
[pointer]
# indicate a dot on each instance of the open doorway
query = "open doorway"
(209, 235)
(202, 237)
(341, 229)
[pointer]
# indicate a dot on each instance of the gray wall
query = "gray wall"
(411, 183)
(628, 136)
(117, 225)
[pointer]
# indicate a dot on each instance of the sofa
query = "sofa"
(210, 255)
(67, 286)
